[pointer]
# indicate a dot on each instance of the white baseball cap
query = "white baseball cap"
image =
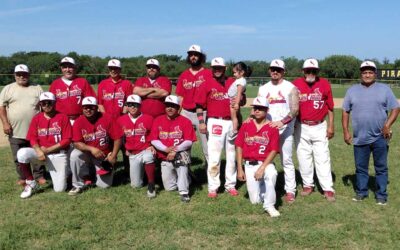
(195, 48)
(368, 64)
(277, 63)
(114, 63)
(172, 99)
(47, 96)
(134, 99)
(21, 68)
(310, 64)
(218, 61)
(153, 61)
(89, 100)
(68, 60)
(260, 101)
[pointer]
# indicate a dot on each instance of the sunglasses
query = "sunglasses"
(22, 74)
(132, 104)
(46, 103)
(311, 71)
(260, 108)
(194, 54)
(152, 67)
(274, 69)
(89, 107)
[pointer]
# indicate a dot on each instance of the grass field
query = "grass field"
(123, 218)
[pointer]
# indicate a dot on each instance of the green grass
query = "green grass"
(123, 218)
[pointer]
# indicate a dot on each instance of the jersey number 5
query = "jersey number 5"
(318, 104)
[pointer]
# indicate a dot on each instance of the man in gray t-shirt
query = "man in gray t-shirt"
(373, 108)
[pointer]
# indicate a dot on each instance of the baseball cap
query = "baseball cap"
(260, 101)
(218, 61)
(134, 99)
(310, 64)
(172, 99)
(21, 68)
(195, 48)
(67, 60)
(277, 63)
(47, 96)
(153, 61)
(368, 64)
(89, 100)
(114, 63)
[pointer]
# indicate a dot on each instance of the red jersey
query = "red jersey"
(47, 132)
(112, 95)
(96, 134)
(69, 98)
(314, 100)
(214, 96)
(256, 145)
(151, 106)
(172, 132)
(188, 86)
(136, 134)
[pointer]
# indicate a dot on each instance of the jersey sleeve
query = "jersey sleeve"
(201, 96)
(99, 95)
(166, 85)
(329, 97)
(179, 87)
(3, 96)
(115, 132)
(189, 133)
(66, 132)
(154, 130)
(129, 90)
(76, 132)
(240, 137)
(32, 135)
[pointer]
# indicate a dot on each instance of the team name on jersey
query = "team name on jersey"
(141, 130)
(119, 94)
(99, 133)
(54, 130)
(75, 91)
(215, 95)
(176, 134)
(315, 96)
(263, 139)
(279, 98)
(195, 84)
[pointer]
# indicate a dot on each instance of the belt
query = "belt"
(312, 123)
(228, 118)
(134, 152)
(191, 110)
(253, 162)
(63, 151)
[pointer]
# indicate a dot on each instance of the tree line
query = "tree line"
(46, 64)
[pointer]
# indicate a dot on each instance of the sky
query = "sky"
(233, 29)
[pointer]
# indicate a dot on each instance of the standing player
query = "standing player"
(136, 128)
(312, 133)
(153, 89)
(257, 145)
(188, 85)
(96, 142)
(49, 134)
(283, 99)
(172, 135)
(214, 96)
(70, 90)
(113, 91)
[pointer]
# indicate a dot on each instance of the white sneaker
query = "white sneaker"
(232, 135)
(151, 195)
(273, 212)
(28, 190)
(75, 191)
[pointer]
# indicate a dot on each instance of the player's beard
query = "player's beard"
(195, 63)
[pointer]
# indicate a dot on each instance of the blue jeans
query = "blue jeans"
(379, 149)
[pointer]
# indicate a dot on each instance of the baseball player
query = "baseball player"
(172, 135)
(283, 99)
(49, 134)
(312, 133)
(188, 85)
(153, 89)
(96, 142)
(113, 91)
(136, 128)
(70, 90)
(257, 145)
(214, 96)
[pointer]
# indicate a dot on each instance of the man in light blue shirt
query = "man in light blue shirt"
(374, 109)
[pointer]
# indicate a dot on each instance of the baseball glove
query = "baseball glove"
(182, 159)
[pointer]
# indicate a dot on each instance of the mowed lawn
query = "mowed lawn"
(123, 218)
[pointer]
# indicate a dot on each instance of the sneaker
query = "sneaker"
(21, 183)
(290, 198)
(232, 135)
(330, 196)
(272, 212)
(75, 191)
(42, 181)
(306, 191)
(150, 194)
(232, 192)
(185, 198)
(358, 198)
(381, 202)
(212, 194)
(28, 190)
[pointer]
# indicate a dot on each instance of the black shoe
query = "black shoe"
(359, 198)
(185, 198)
(381, 202)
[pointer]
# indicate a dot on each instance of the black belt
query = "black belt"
(253, 162)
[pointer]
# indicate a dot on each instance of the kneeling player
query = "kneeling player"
(49, 135)
(172, 135)
(136, 128)
(96, 142)
(258, 144)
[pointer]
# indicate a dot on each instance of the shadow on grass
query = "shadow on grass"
(351, 180)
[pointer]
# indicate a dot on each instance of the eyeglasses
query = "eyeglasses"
(260, 108)
(67, 65)
(194, 54)
(132, 105)
(275, 69)
(152, 67)
(22, 74)
(311, 71)
(46, 103)
(89, 107)
(113, 68)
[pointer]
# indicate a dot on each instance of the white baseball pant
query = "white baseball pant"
(311, 141)
(136, 167)
(175, 178)
(218, 131)
(261, 191)
(57, 165)
(81, 163)
(192, 116)
(286, 151)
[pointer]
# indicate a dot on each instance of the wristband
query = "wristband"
(286, 119)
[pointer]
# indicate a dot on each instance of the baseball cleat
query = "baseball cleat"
(381, 202)
(232, 192)
(150, 194)
(75, 191)
(358, 198)
(42, 181)
(28, 190)
(185, 198)
(306, 191)
(272, 212)
(212, 194)
(290, 198)
(330, 196)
